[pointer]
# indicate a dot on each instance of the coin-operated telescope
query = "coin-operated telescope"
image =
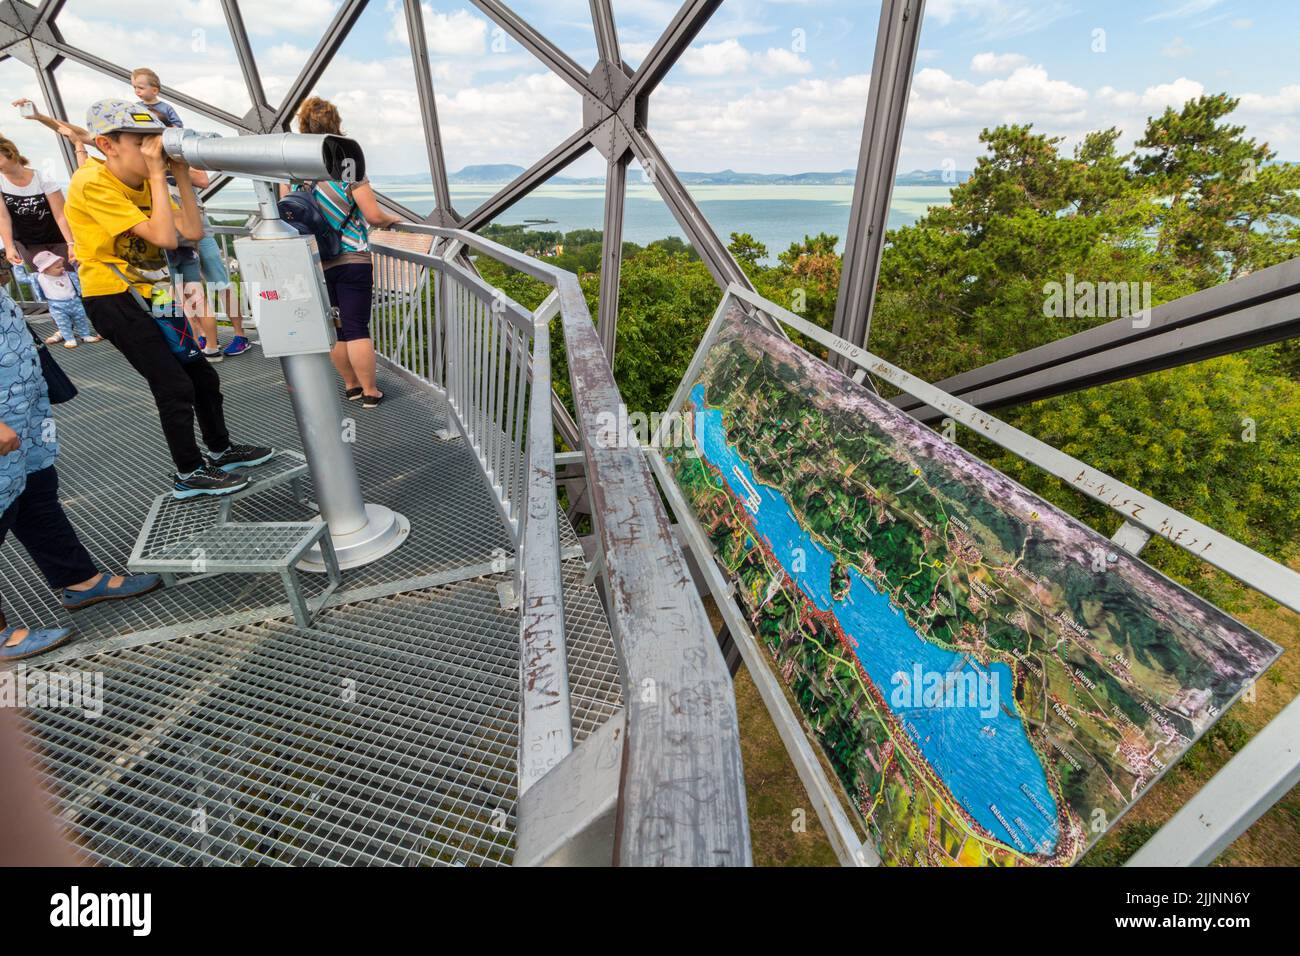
(273, 157)
(281, 271)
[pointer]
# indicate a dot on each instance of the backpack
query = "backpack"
(170, 318)
(302, 210)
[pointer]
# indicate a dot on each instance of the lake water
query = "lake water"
(776, 215)
(985, 759)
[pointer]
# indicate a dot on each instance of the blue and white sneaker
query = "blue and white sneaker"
(237, 346)
(240, 456)
(208, 480)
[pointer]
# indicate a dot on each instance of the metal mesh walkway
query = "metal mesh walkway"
(385, 733)
(114, 463)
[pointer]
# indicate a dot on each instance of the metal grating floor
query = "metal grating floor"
(113, 464)
(383, 734)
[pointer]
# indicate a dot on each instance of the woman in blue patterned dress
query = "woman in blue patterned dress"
(29, 494)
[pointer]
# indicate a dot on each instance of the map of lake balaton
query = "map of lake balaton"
(993, 682)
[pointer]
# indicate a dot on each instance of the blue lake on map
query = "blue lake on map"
(982, 770)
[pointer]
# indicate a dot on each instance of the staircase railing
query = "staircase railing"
(662, 782)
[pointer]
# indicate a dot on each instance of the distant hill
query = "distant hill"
(489, 173)
(932, 177)
(501, 173)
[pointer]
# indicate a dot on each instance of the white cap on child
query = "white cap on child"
(44, 259)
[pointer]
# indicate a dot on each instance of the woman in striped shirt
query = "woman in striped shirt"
(351, 208)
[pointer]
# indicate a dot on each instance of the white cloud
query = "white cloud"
(1027, 94)
(202, 65)
(305, 17)
(1188, 8)
(459, 33)
(998, 18)
(997, 64)
(779, 60)
(715, 59)
(633, 51)
(1285, 103)
(1154, 98)
(729, 58)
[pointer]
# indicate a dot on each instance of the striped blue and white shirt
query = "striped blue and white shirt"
(335, 203)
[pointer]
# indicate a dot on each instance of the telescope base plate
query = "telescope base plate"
(383, 533)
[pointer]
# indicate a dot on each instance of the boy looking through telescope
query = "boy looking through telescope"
(122, 218)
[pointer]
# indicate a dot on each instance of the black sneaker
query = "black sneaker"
(240, 456)
(207, 481)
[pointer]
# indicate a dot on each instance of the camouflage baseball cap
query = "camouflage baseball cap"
(114, 116)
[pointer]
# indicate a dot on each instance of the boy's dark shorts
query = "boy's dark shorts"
(350, 287)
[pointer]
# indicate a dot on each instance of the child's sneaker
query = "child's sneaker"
(70, 344)
(240, 456)
(54, 339)
(92, 339)
(238, 346)
(206, 481)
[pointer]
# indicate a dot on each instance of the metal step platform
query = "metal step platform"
(263, 547)
(187, 540)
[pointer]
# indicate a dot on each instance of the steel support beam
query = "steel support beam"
(1259, 775)
(215, 185)
(526, 36)
(429, 113)
(706, 242)
(611, 263)
(683, 29)
(542, 170)
(897, 38)
(1245, 313)
(103, 66)
(18, 19)
(602, 21)
(54, 103)
(49, 9)
(1258, 325)
(25, 31)
(248, 66)
(335, 34)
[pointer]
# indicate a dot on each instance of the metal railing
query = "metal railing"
(669, 765)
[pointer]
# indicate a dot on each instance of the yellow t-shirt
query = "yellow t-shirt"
(101, 211)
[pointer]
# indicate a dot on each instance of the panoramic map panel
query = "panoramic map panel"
(993, 682)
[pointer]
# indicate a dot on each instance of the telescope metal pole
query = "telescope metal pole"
(360, 532)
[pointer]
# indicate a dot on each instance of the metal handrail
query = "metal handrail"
(681, 791)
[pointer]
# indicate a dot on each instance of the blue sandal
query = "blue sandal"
(133, 585)
(36, 642)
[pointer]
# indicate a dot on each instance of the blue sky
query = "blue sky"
(768, 86)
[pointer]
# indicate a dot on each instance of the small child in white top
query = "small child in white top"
(62, 291)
